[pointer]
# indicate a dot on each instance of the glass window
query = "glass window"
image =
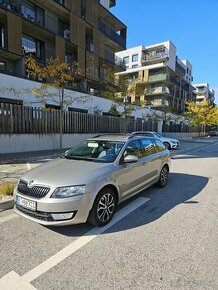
(126, 59)
(2, 36)
(2, 66)
(135, 66)
(33, 46)
(135, 57)
(148, 147)
(159, 145)
(28, 11)
(134, 148)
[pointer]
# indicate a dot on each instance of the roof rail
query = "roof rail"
(110, 134)
(137, 133)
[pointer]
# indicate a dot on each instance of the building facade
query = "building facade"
(82, 31)
(166, 78)
(203, 92)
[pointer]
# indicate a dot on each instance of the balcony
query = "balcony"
(155, 57)
(179, 66)
(158, 91)
(111, 34)
(157, 77)
(114, 60)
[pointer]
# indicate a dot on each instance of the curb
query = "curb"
(6, 204)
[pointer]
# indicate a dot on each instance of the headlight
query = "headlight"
(63, 192)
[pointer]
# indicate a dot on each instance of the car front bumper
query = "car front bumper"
(46, 208)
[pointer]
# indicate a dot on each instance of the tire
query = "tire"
(163, 178)
(167, 145)
(103, 208)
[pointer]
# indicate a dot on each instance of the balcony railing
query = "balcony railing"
(181, 68)
(157, 77)
(110, 33)
(158, 90)
(155, 56)
(113, 59)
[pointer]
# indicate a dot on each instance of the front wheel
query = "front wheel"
(103, 208)
(163, 178)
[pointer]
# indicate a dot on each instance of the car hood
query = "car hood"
(65, 172)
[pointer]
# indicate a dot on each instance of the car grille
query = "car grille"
(40, 215)
(35, 191)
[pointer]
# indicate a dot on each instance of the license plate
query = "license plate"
(26, 203)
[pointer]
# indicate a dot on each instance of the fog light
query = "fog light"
(62, 216)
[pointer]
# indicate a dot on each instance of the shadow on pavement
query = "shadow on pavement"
(180, 189)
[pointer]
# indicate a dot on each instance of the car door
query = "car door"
(130, 175)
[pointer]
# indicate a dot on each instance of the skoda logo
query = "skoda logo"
(30, 183)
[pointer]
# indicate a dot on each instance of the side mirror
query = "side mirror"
(130, 159)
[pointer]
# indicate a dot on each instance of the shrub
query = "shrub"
(6, 189)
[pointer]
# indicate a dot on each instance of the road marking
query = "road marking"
(8, 218)
(81, 242)
(12, 281)
(28, 166)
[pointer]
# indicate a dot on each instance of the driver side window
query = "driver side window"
(134, 148)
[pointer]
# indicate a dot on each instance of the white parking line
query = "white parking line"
(23, 282)
(8, 218)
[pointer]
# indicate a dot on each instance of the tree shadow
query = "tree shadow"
(180, 189)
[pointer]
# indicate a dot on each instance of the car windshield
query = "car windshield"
(96, 150)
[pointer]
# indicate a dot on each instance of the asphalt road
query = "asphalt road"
(162, 239)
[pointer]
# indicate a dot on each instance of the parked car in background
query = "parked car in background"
(89, 181)
(170, 143)
(213, 133)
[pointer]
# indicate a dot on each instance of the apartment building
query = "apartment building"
(166, 78)
(82, 31)
(203, 92)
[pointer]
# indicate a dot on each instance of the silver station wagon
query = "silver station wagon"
(90, 180)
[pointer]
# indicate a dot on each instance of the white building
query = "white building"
(167, 77)
(203, 92)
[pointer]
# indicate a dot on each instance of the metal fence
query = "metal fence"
(18, 119)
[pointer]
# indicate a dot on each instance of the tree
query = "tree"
(203, 114)
(55, 75)
(119, 90)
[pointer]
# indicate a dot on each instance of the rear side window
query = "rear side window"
(148, 147)
(159, 145)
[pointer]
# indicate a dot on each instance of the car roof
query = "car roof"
(119, 137)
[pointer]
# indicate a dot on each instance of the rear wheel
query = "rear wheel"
(103, 208)
(163, 178)
(167, 145)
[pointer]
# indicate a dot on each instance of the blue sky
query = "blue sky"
(192, 25)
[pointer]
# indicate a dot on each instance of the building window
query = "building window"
(126, 59)
(2, 36)
(89, 42)
(135, 57)
(135, 66)
(83, 9)
(2, 66)
(64, 29)
(33, 46)
(28, 11)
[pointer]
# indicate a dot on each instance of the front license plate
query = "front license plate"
(26, 203)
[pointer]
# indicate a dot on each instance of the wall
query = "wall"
(79, 100)
(35, 142)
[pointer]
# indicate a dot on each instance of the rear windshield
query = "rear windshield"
(96, 151)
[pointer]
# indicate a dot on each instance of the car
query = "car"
(213, 133)
(90, 180)
(170, 143)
